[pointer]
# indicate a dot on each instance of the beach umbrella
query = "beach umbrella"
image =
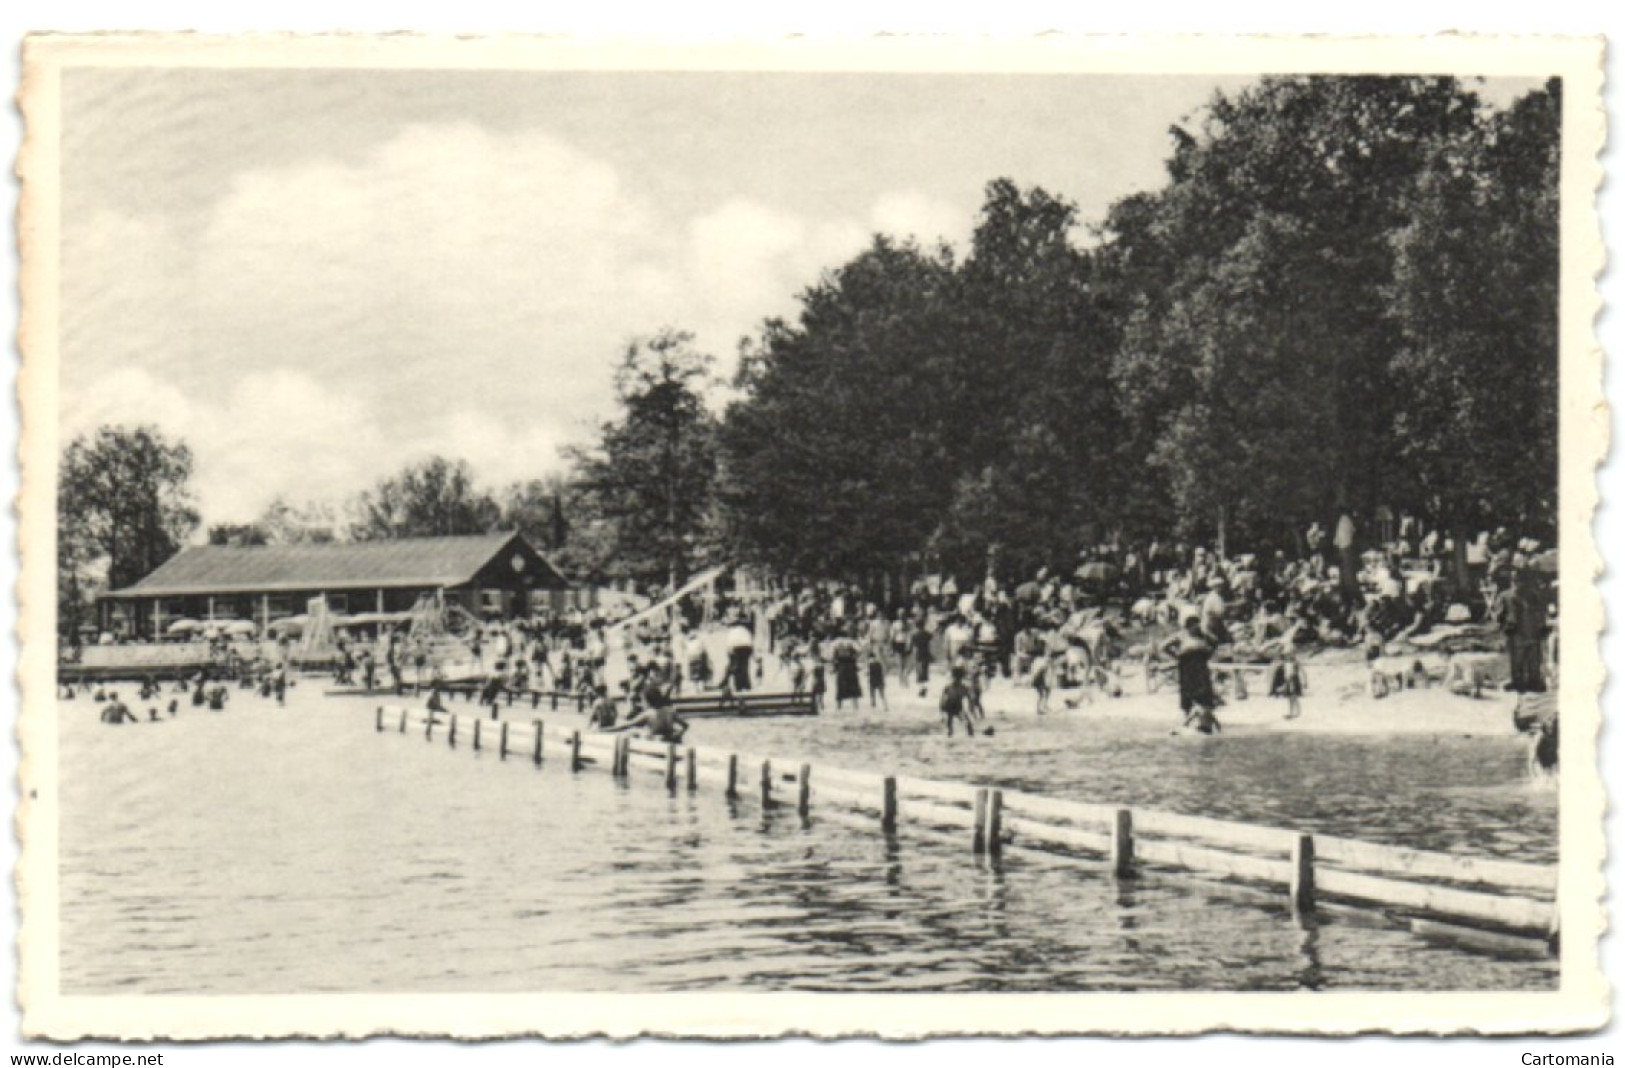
(1458, 613)
(183, 626)
(240, 626)
(1027, 591)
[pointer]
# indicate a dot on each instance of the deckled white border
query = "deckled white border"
(1581, 1003)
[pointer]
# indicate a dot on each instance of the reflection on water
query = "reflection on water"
(291, 851)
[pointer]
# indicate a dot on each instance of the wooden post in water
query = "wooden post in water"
(804, 790)
(380, 719)
(993, 826)
(732, 790)
(671, 767)
(1302, 887)
(451, 738)
(888, 804)
(403, 721)
(538, 755)
(502, 745)
(575, 750)
(693, 769)
(767, 784)
(428, 725)
(476, 734)
(1122, 855)
(555, 705)
(978, 843)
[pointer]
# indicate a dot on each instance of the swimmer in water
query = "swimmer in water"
(114, 712)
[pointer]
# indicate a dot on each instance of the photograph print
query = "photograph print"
(552, 530)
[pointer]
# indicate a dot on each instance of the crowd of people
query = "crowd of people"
(1175, 608)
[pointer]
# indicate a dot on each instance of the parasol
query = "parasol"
(1097, 571)
(183, 626)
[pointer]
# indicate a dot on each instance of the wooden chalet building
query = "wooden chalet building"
(493, 576)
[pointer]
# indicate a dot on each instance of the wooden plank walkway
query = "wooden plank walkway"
(1512, 903)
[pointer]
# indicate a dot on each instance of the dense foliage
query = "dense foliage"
(1344, 297)
(123, 508)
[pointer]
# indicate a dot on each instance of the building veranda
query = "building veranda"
(491, 576)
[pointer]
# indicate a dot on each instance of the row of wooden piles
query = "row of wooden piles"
(1498, 903)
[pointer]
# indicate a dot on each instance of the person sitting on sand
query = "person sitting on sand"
(955, 703)
(174, 707)
(114, 713)
(1191, 650)
(217, 698)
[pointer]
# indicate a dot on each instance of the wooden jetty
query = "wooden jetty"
(1500, 903)
(712, 704)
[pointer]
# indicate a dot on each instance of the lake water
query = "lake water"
(264, 851)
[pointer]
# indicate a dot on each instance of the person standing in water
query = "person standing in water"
(114, 713)
(844, 656)
(1192, 651)
(877, 679)
(920, 653)
(955, 703)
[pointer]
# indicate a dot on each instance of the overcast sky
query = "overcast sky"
(314, 277)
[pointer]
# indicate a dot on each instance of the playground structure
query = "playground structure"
(441, 629)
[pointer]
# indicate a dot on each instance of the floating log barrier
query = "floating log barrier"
(1434, 894)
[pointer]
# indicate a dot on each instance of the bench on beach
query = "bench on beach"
(720, 703)
(82, 674)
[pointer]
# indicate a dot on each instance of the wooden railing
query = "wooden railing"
(1418, 887)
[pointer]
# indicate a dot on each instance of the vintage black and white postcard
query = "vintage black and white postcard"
(896, 536)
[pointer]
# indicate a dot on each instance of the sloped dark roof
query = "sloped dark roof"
(449, 561)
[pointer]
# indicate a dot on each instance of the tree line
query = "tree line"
(1343, 296)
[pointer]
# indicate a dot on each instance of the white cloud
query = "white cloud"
(924, 218)
(451, 290)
